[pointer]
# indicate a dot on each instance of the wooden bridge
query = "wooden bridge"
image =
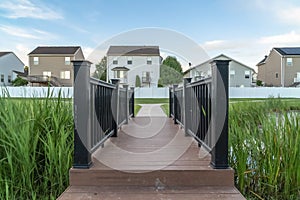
(150, 156)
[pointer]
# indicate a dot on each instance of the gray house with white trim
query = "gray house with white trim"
(128, 62)
(240, 75)
(9, 62)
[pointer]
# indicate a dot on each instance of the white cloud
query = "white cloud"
(26, 9)
(24, 33)
(286, 39)
(22, 51)
(287, 12)
(251, 50)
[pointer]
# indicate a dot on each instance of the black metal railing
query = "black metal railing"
(201, 108)
(131, 102)
(100, 108)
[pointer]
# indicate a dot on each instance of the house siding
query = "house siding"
(55, 64)
(237, 80)
(291, 71)
(8, 63)
(267, 72)
(138, 66)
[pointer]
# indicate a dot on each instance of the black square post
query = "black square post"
(219, 114)
(115, 105)
(186, 105)
(132, 101)
(175, 104)
(82, 120)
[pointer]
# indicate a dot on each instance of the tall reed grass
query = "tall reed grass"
(264, 146)
(36, 147)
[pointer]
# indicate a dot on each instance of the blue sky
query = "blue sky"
(243, 30)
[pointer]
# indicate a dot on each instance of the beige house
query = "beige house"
(52, 65)
(240, 75)
(281, 68)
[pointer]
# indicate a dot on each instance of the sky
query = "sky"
(244, 30)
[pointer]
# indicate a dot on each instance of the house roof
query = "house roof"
(120, 69)
(133, 50)
(4, 53)
(216, 57)
(55, 50)
(262, 61)
(288, 50)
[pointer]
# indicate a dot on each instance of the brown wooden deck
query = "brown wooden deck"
(151, 159)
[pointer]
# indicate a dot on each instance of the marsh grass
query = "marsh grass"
(264, 146)
(36, 147)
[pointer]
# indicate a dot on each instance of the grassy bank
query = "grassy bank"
(36, 145)
(163, 101)
(264, 142)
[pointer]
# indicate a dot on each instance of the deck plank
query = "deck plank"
(151, 159)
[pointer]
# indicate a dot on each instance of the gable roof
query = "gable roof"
(4, 53)
(263, 61)
(288, 50)
(216, 57)
(55, 50)
(133, 51)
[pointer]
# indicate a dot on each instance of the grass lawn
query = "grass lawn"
(163, 101)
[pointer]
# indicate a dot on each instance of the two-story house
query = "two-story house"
(240, 75)
(128, 62)
(9, 63)
(52, 65)
(281, 68)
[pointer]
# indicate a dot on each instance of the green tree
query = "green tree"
(137, 81)
(173, 63)
(170, 72)
(100, 72)
(19, 82)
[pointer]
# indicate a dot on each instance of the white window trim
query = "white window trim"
(36, 60)
(67, 60)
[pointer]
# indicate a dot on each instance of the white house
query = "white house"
(9, 62)
(128, 62)
(240, 75)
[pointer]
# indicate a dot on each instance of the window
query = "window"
(232, 73)
(276, 75)
(2, 78)
(247, 74)
(129, 60)
(67, 60)
(289, 61)
(149, 61)
(47, 73)
(65, 75)
(115, 61)
(35, 60)
(9, 78)
(146, 77)
(119, 74)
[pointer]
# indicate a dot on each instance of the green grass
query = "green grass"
(136, 109)
(36, 147)
(163, 101)
(165, 108)
(264, 144)
(151, 101)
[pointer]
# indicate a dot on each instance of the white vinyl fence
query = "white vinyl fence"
(67, 92)
(264, 92)
(36, 92)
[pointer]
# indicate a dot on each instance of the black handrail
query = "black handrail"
(100, 108)
(201, 107)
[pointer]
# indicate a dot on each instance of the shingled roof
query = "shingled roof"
(4, 53)
(55, 50)
(288, 50)
(133, 51)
